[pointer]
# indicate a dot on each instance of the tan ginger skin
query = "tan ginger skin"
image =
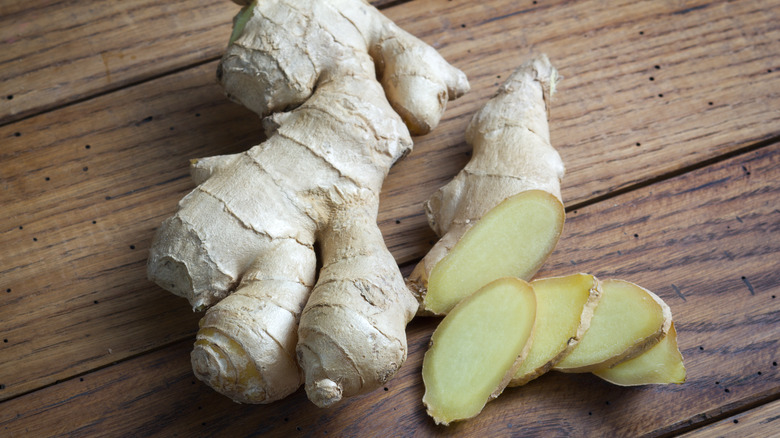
(247, 239)
(511, 154)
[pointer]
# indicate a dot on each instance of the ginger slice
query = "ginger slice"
(659, 365)
(564, 309)
(512, 239)
(628, 320)
(477, 348)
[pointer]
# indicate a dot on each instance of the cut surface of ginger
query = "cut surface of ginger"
(659, 365)
(564, 308)
(512, 239)
(628, 320)
(477, 348)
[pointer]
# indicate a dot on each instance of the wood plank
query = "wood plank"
(760, 422)
(57, 52)
(76, 297)
(706, 242)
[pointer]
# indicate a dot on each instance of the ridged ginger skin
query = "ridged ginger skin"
(505, 206)
(340, 87)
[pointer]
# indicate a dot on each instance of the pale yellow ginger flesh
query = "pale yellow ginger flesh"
(340, 87)
(476, 349)
(564, 309)
(512, 239)
(502, 214)
(628, 320)
(661, 364)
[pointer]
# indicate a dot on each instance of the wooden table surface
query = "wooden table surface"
(668, 121)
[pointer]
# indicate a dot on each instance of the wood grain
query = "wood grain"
(78, 296)
(712, 242)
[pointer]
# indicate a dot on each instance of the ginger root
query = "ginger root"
(341, 88)
(502, 214)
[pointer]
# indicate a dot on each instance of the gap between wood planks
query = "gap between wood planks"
(727, 411)
(406, 269)
(675, 173)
